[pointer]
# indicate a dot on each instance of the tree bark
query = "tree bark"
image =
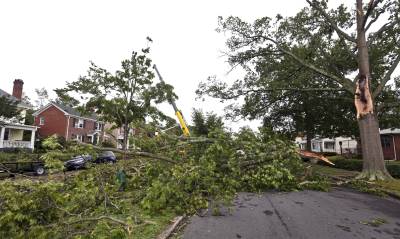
(308, 142)
(373, 163)
(125, 145)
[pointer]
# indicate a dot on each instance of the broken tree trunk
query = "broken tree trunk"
(373, 163)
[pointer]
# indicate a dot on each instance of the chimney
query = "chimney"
(17, 89)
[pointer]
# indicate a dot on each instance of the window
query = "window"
(79, 138)
(41, 121)
(7, 134)
(385, 140)
(97, 126)
(79, 123)
(329, 145)
(315, 146)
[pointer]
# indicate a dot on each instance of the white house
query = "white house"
(339, 145)
(12, 130)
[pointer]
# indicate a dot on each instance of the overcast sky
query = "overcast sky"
(46, 43)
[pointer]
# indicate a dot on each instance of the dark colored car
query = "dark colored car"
(77, 162)
(81, 161)
(106, 157)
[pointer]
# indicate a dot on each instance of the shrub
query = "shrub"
(329, 154)
(394, 169)
(348, 164)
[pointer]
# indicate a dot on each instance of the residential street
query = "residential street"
(340, 213)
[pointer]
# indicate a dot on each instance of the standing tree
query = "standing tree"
(42, 97)
(203, 124)
(8, 109)
(124, 97)
(335, 57)
(292, 100)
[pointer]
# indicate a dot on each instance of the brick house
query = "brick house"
(69, 123)
(390, 140)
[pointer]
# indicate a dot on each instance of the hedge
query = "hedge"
(356, 165)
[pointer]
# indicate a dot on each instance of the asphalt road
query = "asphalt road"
(341, 213)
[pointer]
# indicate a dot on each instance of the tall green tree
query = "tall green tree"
(341, 56)
(123, 98)
(290, 99)
(8, 109)
(204, 123)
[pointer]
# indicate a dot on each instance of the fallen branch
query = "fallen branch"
(197, 140)
(154, 156)
(171, 228)
(137, 153)
(99, 219)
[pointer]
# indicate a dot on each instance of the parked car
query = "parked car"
(106, 157)
(77, 162)
(10, 168)
(81, 161)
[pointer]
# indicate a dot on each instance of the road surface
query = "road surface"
(340, 213)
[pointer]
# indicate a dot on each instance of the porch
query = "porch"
(17, 136)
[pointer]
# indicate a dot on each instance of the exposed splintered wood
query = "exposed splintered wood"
(362, 97)
(317, 156)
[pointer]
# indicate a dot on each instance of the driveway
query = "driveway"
(340, 213)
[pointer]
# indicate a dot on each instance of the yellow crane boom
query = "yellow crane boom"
(178, 113)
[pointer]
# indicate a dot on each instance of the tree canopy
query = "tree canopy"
(8, 109)
(204, 123)
(301, 69)
(122, 98)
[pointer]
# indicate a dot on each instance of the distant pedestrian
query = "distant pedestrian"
(121, 178)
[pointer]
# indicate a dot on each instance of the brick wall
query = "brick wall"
(55, 122)
(397, 144)
(389, 152)
(88, 128)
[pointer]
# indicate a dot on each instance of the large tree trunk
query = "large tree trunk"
(308, 142)
(373, 162)
(126, 135)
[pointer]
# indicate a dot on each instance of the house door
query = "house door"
(95, 139)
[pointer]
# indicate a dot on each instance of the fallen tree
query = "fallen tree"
(184, 180)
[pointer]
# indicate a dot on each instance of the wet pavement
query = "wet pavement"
(341, 213)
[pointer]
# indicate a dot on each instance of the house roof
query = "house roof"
(67, 110)
(19, 126)
(390, 131)
(15, 99)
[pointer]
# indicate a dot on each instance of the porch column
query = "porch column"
(33, 139)
(2, 130)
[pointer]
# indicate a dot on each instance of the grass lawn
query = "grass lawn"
(330, 171)
(392, 186)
